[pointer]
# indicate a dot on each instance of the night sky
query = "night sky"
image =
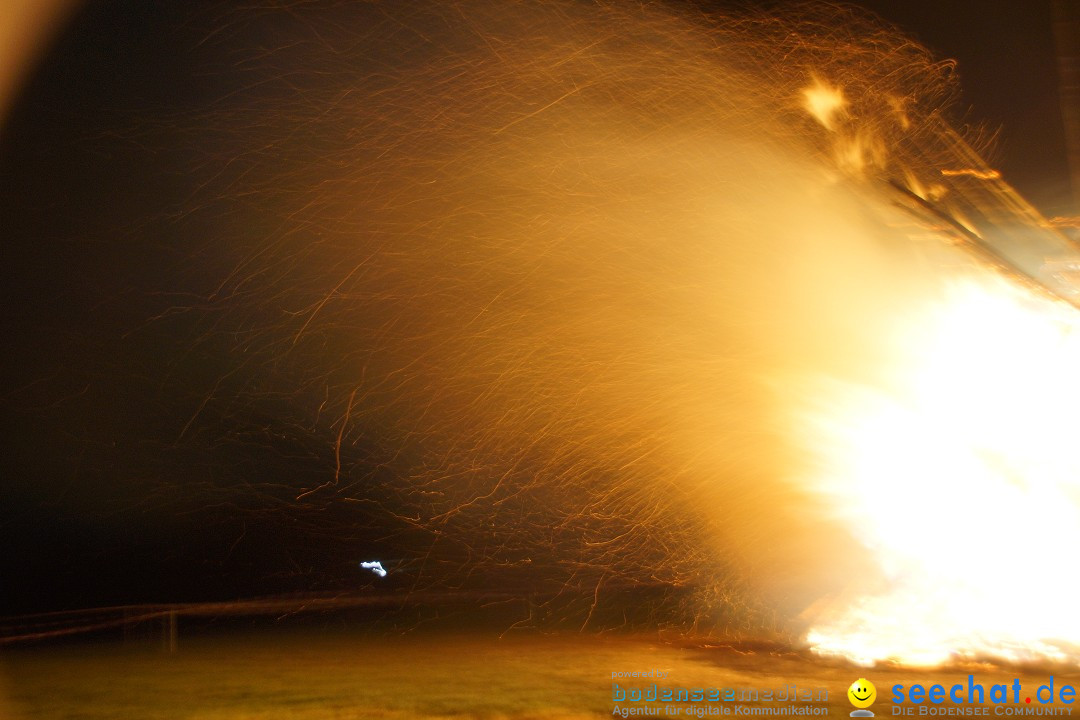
(121, 481)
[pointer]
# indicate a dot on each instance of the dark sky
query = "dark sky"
(1008, 76)
(72, 192)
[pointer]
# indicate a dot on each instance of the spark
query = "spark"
(826, 103)
(972, 172)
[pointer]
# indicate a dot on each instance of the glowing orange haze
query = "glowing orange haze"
(631, 292)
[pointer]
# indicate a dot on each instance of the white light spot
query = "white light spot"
(375, 567)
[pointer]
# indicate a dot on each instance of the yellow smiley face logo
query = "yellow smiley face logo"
(862, 693)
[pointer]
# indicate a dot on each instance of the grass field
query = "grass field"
(321, 676)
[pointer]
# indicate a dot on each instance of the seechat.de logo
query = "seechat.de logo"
(862, 695)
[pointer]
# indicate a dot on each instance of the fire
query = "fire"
(824, 102)
(513, 284)
(957, 474)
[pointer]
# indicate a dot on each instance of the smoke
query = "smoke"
(554, 259)
(529, 281)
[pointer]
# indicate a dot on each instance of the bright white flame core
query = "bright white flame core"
(958, 472)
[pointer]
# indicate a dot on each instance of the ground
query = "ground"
(344, 675)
